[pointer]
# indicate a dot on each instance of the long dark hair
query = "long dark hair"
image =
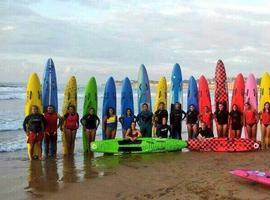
(108, 111)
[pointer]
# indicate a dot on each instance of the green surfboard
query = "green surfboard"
(141, 145)
(90, 100)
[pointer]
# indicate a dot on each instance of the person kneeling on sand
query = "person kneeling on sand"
(163, 129)
(133, 133)
(204, 132)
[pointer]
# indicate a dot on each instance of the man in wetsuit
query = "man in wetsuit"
(33, 126)
(176, 117)
(160, 114)
(144, 120)
(163, 129)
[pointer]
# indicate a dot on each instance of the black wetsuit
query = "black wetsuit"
(34, 123)
(90, 121)
(236, 117)
(176, 118)
(162, 131)
(160, 114)
(222, 117)
(207, 133)
(144, 120)
(192, 117)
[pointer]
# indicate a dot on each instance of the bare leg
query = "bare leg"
(124, 133)
(267, 137)
(254, 132)
(225, 130)
(73, 137)
(219, 130)
(249, 131)
(108, 133)
(68, 140)
(238, 134)
(93, 135)
(264, 135)
(31, 150)
(195, 129)
(189, 129)
(113, 134)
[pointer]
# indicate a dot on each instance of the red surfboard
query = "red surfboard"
(238, 93)
(221, 87)
(204, 96)
(222, 144)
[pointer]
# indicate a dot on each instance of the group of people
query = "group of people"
(39, 127)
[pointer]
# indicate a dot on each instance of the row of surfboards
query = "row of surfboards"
(198, 94)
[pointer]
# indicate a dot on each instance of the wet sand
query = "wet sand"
(177, 175)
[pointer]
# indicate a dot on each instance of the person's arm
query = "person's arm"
(98, 121)
(121, 120)
(83, 120)
(25, 124)
(244, 118)
(60, 121)
(104, 123)
(78, 121)
(44, 122)
(64, 121)
(185, 115)
(171, 118)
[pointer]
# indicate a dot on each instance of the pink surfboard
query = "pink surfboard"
(251, 93)
(253, 175)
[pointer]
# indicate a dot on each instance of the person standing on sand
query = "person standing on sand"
(235, 122)
(250, 121)
(206, 117)
(53, 123)
(160, 114)
(192, 121)
(126, 121)
(144, 120)
(265, 125)
(222, 116)
(90, 123)
(110, 124)
(176, 117)
(33, 126)
(70, 127)
(132, 132)
(163, 129)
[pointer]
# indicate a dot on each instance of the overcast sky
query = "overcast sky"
(113, 37)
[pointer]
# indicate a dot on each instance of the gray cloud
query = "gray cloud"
(119, 36)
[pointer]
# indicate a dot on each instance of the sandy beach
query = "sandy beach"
(176, 175)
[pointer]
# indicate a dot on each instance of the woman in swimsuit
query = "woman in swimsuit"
(250, 121)
(236, 122)
(133, 133)
(221, 116)
(70, 126)
(192, 122)
(110, 124)
(126, 121)
(265, 125)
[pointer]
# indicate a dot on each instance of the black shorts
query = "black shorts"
(236, 127)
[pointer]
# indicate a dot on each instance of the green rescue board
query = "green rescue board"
(90, 101)
(141, 145)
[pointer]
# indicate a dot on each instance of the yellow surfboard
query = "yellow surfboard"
(70, 98)
(33, 97)
(264, 90)
(161, 96)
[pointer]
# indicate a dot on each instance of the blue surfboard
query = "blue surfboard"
(144, 93)
(176, 86)
(109, 100)
(49, 86)
(49, 93)
(192, 96)
(126, 97)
